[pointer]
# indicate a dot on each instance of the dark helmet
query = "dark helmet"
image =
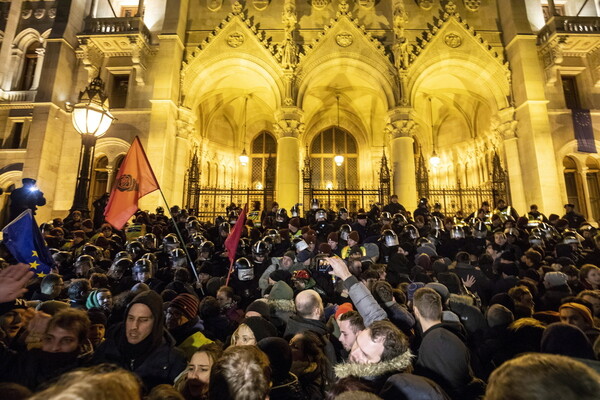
(171, 240)
(143, 265)
(244, 247)
(435, 236)
(386, 216)
(423, 201)
(61, 257)
(314, 204)
(150, 256)
(480, 230)
(193, 226)
(511, 232)
(224, 227)
(457, 232)
(207, 247)
(269, 241)
(149, 240)
(120, 267)
(160, 210)
(85, 259)
(437, 224)
(135, 248)
(411, 232)
(571, 237)
(536, 240)
(390, 238)
(345, 230)
(281, 215)
(260, 248)
(197, 239)
(232, 217)
(295, 210)
(244, 269)
(91, 250)
(177, 254)
(274, 234)
(320, 214)
(400, 219)
(342, 211)
(122, 254)
(423, 241)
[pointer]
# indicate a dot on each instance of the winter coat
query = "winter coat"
(411, 387)
(297, 324)
(364, 301)
(288, 390)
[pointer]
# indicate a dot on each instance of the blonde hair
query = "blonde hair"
(95, 383)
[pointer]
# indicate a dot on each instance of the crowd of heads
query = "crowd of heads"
(327, 303)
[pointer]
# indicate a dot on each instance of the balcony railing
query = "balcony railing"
(568, 25)
(116, 26)
(26, 96)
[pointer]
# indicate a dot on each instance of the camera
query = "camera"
(323, 265)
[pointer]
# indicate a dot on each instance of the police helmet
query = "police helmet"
(208, 247)
(457, 232)
(345, 230)
(480, 230)
(410, 231)
(390, 238)
(244, 269)
(260, 248)
(342, 211)
(171, 240)
(400, 219)
(143, 265)
(386, 216)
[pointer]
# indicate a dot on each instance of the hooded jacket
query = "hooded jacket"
(297, 324)
(155, 359)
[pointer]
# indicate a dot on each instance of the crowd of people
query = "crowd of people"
(382, 303)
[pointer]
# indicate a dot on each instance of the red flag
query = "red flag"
(134, 180)
(231, 243)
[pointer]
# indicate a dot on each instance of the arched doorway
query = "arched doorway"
(573, 184)
(99, 179)
(592, 175)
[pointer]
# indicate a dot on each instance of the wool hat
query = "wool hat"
(503, 299)
(324, 248)
(354, 236)
(260, 306)
(97, 317)
(51, 307)
(334, 237)
(361, 216)
(88, 223)
(424, 261)
(566, 340)
(555, 278)
(187, 304)
(451, 281)
(310, 239)
(291, 254)
(280, 357)
(509, 269)
(280, 275)
(412, 288)
(428, 249)
(304, 255)
(295, 222)
(281, 291)
(441, 289)
(342, 309)
(260, 327)
(498, 315)
(582, 310)
(301, 274)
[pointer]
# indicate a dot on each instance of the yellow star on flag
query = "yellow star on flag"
(34, 264)
(41, 274)
(34, 253)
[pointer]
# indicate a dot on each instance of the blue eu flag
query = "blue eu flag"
(23, 239)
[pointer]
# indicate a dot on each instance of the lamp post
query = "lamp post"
(91, 117)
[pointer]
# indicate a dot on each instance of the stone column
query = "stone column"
(14, 16)
(110, 171)
(38, 68)
(288, 128)
(507, 130)
(586, 195)
(185, 130)
(403, 161)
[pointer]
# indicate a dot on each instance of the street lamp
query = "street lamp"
(244, 158)
(339, 160)
(435, 159)
(91, 117)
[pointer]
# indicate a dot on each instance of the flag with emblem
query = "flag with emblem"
(23, 239)
(134, 180)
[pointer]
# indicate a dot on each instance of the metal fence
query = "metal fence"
(212, 202)
(352, 199)
(467, 199)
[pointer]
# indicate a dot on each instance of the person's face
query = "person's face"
(286, 262)
(204, 277)
(394, 200)
(142, 276)
(59, 340)
(365, 350)
(572, 317)
(297, 348)
(593, 277)
(500, 239)
(139, 323)
(243, 336)
(351, 242)
(105, 300)
(527, 301)
(332, 244)
(198, 373)
(363, 222)
(107, 233)
(82, 268)
(223, 300)
(175, 318)
(96, 334)
(595, 304)
(259, 258)
(76, 217)
(347, 335)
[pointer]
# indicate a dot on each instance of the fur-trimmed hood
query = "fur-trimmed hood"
(283, 305)
(396, 364)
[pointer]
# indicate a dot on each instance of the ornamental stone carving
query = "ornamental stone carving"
(320, 4)
(39, 13)
(214, 5)
(260, 5)
(236, 39)
(344, 39)
(472, 5)
(453, 40)
(368, 4)
(425, 4)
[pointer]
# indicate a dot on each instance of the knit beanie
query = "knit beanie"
(441, 289)
(354, 236)
(295, 222)
(324, 248)
(187, 304)
(555, 278)
(412, 288)
(280, 275)
(260, 327)
(259, 306)
(582, 310)
(97, 317)
(92, 300)
(342, 309)
(280, 357)
(281, 291)
(291, 254)
(334, 237)
(566, 340)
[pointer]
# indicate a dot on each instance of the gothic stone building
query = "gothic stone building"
(504, 94)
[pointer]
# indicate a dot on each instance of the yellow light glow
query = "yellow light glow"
(329, 185)
(339, 160)
(244, 159)
(435, 160)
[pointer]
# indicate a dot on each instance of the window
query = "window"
(18, 135)
(100, 178)
(325, 173)
(129, 11)
(29, 63)
(593, 187)
(572, 182)
(559, 9)
(263, 157)
(119, 88)
(569, 84)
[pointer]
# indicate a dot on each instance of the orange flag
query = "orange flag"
(134, 180)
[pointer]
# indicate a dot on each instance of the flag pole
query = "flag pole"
(229, 273)
(180, 237)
